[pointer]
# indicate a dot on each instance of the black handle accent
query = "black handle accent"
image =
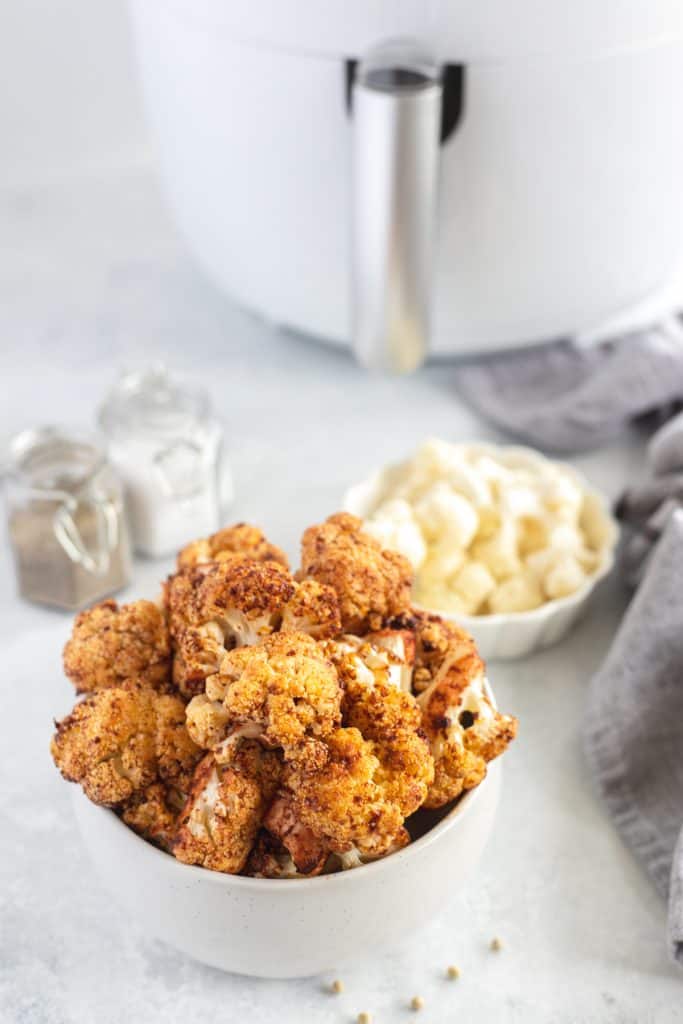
(453, 103)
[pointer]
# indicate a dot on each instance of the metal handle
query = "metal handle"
(396, 120)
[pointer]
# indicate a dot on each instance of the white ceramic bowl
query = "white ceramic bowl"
(515, 634)
(289, 928)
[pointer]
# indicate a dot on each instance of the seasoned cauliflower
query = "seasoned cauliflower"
(312, 609)
(153, 813)
(372, 584)
(225, 806)
(232, 604)
(112, 646)
(269, 858)
(343, 804)
(390, 718)
(239, 541)
(119, 741)
(387, 655)
(216, 607)
(283, 690)
(463, 727)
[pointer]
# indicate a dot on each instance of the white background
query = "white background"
(92, 278)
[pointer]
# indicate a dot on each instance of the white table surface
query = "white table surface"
(93, 278)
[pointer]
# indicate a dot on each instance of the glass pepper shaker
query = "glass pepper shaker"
(65, 519)
(167, 448)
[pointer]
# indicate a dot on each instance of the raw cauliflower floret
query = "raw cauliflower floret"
(393, 524)
(342, 807)
(463, 593)
(239, 541)
(283, 690)
(119, 741)
(500, 553)
(520, 593)
(225, 807)
(463, 727)
(439, 460)
(220, 606)
(558, 572)
(112, 646)
(447, 516)
(372, 584)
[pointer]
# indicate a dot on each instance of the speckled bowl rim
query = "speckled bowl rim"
(351, 503)
(196, 873)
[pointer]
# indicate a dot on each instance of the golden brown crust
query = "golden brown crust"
(153, 813)
(463, 727)
(284, 687)
(119, 741)
(387, 716)
(372, 584)
(269, 858)
(313, 609)
(225, 807)
(341, 803)
(112, 645)
(308, 852)
(238, 541)
(212, 608)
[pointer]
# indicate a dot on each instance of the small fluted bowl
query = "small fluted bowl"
(511, 635)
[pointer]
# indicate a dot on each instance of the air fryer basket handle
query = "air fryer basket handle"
(396, 125)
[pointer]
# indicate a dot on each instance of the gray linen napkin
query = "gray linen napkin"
(634, 726)
(566, 397)
(645, 508)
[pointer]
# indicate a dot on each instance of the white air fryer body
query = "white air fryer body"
(560, 196)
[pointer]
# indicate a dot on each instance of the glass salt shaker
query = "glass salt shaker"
(167, 448)
(65, 519)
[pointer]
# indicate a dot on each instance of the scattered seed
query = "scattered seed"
(337, 986)
(496, 944)
(416, 1003)
(364, 1018)
(453, 972)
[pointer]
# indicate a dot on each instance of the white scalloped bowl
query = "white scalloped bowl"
(289, 928)
(515, 634)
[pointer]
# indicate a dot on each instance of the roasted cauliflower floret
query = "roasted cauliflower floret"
(341, 807)
(463, 727)
(312, 609)
(283, 690)
(220, 606)
(119, 741)
(436, 641)
(112, 646)
(386, 715)
(227, 800)
(269, 858)
(239, 541)
(372, 584)
(153, 813)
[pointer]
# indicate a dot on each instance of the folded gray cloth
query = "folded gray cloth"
(634, 726)
(646, 507)
(565, 397)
